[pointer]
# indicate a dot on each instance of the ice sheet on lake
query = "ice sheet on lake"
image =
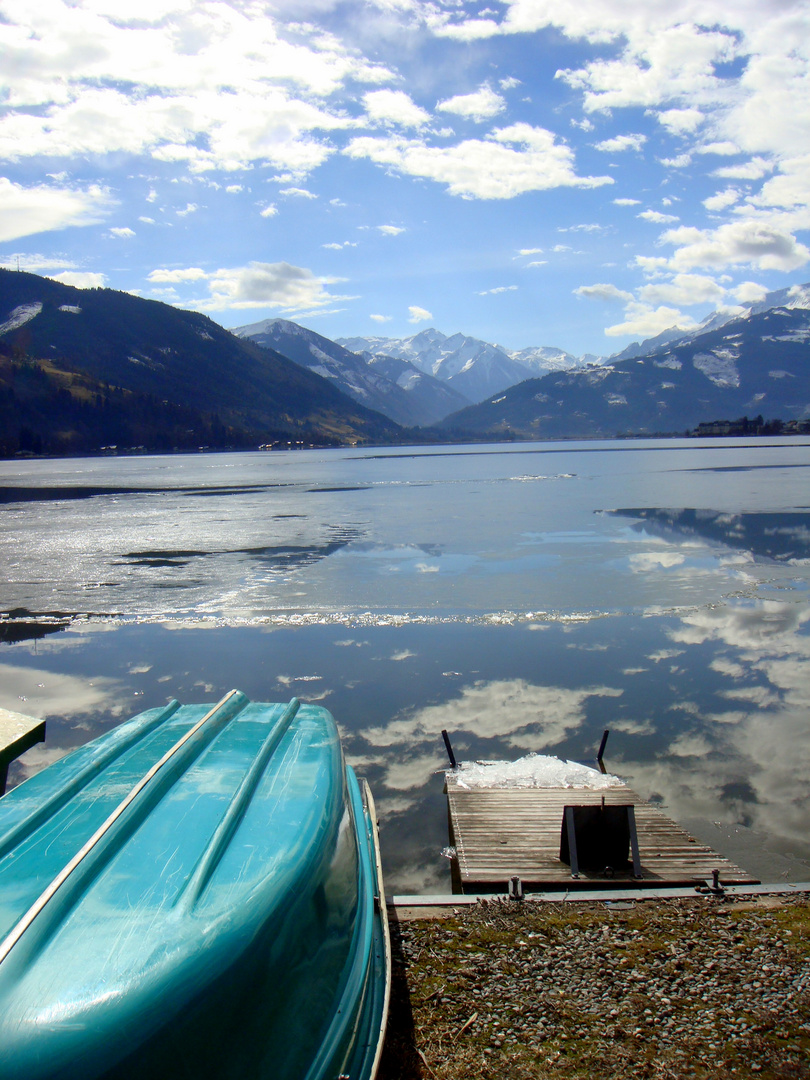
(532, 771)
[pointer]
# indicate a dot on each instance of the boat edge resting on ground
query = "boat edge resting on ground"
(238, 949)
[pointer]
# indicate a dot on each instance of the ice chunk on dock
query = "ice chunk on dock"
(532, 771)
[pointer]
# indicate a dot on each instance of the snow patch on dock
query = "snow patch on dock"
(532, 771)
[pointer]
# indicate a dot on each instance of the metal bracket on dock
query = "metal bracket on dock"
(715, 888)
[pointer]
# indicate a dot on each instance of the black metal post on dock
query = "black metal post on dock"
(601, 750)
(450, 754)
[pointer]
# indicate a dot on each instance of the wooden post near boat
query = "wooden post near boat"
(500, 833)
(18, 733)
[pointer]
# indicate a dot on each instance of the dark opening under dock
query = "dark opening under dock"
(500, 833)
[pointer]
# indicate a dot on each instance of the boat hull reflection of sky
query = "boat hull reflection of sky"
(506, 594)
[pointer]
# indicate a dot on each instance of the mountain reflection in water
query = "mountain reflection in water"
(783, 537)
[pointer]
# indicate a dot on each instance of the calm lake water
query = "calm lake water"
(522, 597)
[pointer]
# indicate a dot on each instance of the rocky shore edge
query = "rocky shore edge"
(708, 987)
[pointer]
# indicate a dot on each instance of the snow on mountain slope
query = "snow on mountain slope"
(473, 367)
(415, 400)
(21, 314)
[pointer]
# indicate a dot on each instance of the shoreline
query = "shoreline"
(702, 986)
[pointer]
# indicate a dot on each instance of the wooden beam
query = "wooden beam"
(18, 733)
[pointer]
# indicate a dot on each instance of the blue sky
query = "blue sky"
(526, 171)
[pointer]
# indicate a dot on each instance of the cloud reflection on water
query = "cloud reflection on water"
(517, 616)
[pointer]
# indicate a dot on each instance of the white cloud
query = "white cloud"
(508, 83)
(190, 208)
(418, 314)
(25, 211)
(748, 170)
(390, 230)
(622, 142)
(722, 200)
(381, 318)
(656, 217)
(269, 284)
(209, 84)
(394, 107)
(497, 290)
(191, 273)
(644, 321)
(627, 202)
(603, 292)
(589, 228)
(651, 264)
(680, 121)
(791, 188)
(722, 149)
(683, 289)
(269, 211)
(530, 251)
(122, 232)
(482, 105)
(259, 284)
(234, 189)
(749, 292)
(298, 193)
(749, 242)
(681, 161)
(507, 163)
(81, 279)
(672, 62)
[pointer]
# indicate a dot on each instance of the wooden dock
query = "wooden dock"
(499, 833)
(18, 733)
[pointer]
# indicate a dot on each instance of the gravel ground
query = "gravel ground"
(660, 989)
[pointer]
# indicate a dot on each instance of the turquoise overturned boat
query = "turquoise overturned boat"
(196, 894)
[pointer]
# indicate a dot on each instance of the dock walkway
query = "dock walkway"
(499, 833)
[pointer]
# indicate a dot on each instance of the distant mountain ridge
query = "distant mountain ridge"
(754, 362)
(795, 296)
(394, 387)
(80, 368)
(473, 367)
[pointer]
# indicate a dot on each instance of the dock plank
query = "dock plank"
(502, 832)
